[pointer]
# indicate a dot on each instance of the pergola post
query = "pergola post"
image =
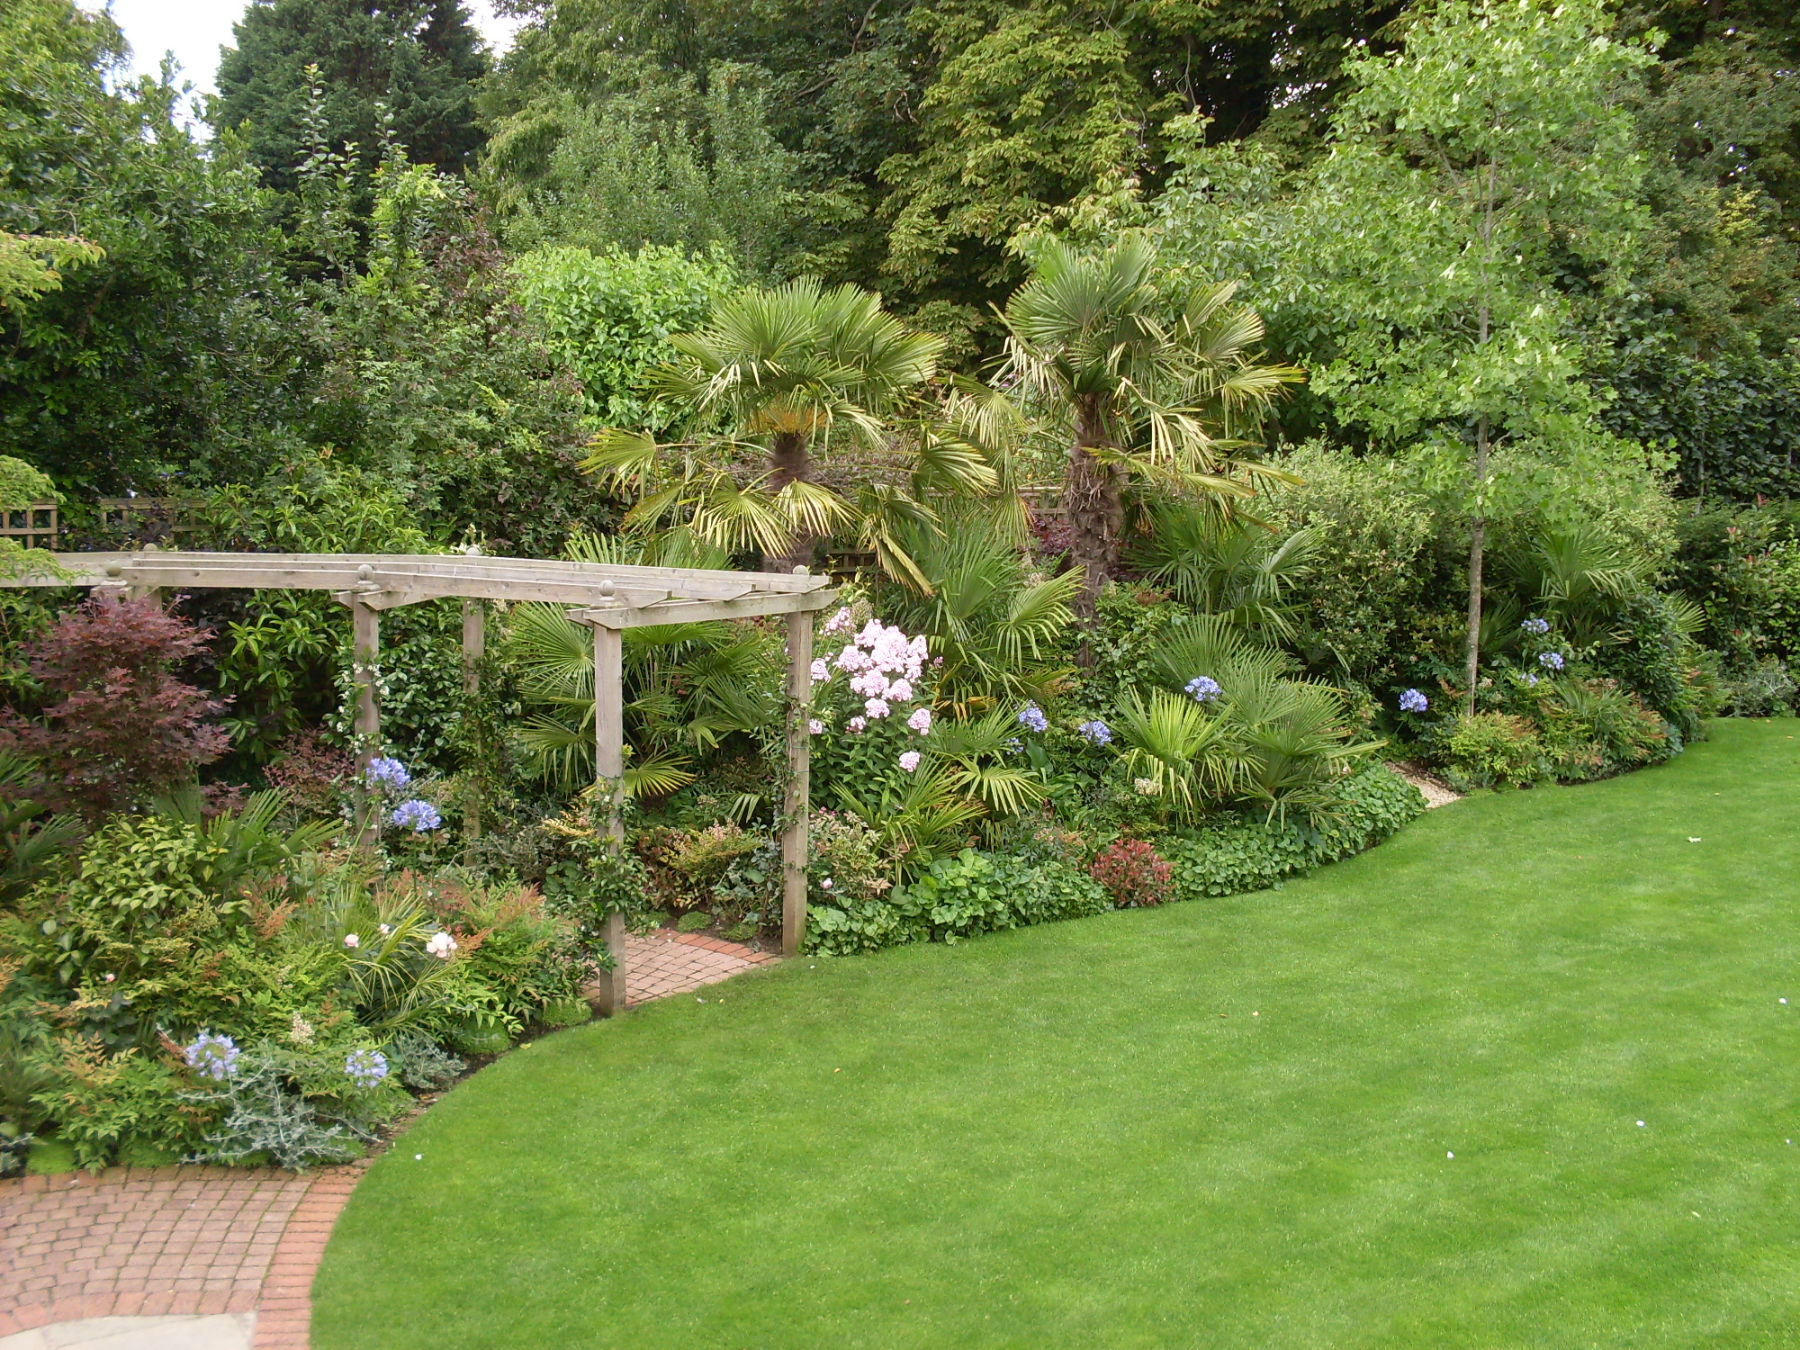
(365, 651)
(796, 802)
(609, 775)
(474, 646)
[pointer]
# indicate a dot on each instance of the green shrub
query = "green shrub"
(1361, 608)
(693, 922)
(1594, 728)
(1372, 804)
(978, 892)
(1235, 856)
(565, 1012)
(1492, 749)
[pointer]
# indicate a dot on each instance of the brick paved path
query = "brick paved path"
(666, 963)
(155, 1241)
(162, 1241)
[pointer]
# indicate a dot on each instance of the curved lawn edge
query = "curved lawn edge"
(1223, 1123)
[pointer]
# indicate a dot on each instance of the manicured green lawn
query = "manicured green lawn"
(1219, 1124)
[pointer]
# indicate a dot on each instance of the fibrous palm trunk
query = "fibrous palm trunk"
(1093, 504)
(789, 462)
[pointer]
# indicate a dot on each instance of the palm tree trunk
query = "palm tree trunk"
(790, 462)
(1094, 507)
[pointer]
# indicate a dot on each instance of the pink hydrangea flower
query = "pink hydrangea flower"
(910, 760)
(920, 721)
(877, 708)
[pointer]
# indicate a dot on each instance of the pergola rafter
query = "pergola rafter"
(607, 598)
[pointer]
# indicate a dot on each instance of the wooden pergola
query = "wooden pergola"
(606, 598)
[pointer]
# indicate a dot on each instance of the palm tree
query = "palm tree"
(1144, 390)
(786, 397)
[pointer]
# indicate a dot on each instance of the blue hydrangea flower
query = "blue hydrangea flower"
(1538, 626)
(365, 1068)
(1096, 732)
(385, 772)
(1032, 717)
(417, 816)
(1204, 688)
(214, 1056)
(1413, 701)
(1551, 660)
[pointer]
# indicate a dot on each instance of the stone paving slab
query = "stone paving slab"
(227, 1331)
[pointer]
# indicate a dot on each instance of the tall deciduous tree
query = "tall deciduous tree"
(1147, 388)
(416, 59)
(1422, 267)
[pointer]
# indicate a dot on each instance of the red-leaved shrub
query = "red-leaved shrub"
(121, 727)
(1133, 873)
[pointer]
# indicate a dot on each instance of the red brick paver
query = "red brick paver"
(136, 1241)
(666, 963)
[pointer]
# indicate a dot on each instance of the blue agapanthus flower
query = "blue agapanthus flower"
(1413, 701)
(418, 816)
(1204, 688)
(1014, 745)
(1538, 626)
(1032, 717)
(365, 1068)
(385, 772)
(1096, 732)
(1551, 660)
(214, 1056)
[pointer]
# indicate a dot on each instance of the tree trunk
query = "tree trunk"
(1477, 545)
(1478, 527)
(1094, 508)
(789, 462)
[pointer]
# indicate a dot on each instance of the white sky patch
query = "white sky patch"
(194, 30)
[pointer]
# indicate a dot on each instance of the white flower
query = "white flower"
(826, 884)
(901, 690)
(856, 724)
(877, 708)
(910, 760)
(385, 929)
(1146, 787)
(110, 977)
(352, 940)
(821, 670)
(816, 727)
(441, 945)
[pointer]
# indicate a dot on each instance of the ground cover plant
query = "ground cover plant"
(1510, 1078)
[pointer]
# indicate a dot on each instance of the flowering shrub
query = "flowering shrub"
(1204, 689)
(213, 1056)
(1134, 874)
(365, 1068)
(421, 817)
